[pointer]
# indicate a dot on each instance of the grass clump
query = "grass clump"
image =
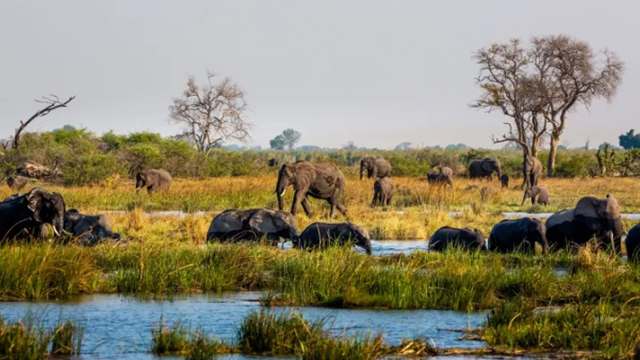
(25, 340)
(178, 340)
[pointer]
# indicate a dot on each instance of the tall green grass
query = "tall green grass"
(27, 340)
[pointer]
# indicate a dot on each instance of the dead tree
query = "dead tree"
(52, 102)
(211, 113)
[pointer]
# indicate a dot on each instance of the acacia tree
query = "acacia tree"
(51, 103)
(569, 73)
(211, 113)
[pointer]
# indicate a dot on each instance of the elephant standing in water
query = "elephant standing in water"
(382, 192)
(375, 167)
(592, 217)
(318, 180)
(450, 237)
(321, 235)
(252, 225)
(24, 215)
(89, 230)
(153, 180)
(518, 235)
(484, 168)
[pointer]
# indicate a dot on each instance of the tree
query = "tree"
(278, 142)
(291, 137)
(212, 113)
(51, 102)
(567, 73)
(629, 140)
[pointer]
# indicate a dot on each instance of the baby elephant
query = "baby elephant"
(321, 235)
(538, 195)
(89, 230)
(382, 192)
(518, 235)
(504, 180)
(450, 237)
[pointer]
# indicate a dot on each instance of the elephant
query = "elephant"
(321, 235)
(537, 194)
(375, 167)
(484, 168)
(442, 176)
(382, 192)
(273, 162)
(531, 171)
(25, 215)
(518, 235)
(17, 182)
(318, 180)
(592, 217)
(234, 225)
(153, 180)
(632, 242)
(89, 230)
(504, 181)
(450, 237)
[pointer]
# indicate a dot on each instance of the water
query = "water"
(117, 327)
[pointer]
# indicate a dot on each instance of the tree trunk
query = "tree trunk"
(553, 152)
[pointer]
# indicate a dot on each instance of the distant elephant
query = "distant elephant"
(484, 168)
(321, 235)
(375, 167)
(537, 194)
(443, 176)
(318, 180)
(632, 243)
(17, 183)
(252, 225)
(591, 218)
(24, 215)
(518, 235)
(450, 237)
(531, 171)
(153, 180)
(382, 192)
(504, 181)
(273, 162)
(89, 230)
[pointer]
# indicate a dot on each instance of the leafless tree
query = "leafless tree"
(51, 102)
(211, 113)
(569, 73)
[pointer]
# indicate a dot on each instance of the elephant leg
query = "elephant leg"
(341, 208)
(307, 207)
(297, 199)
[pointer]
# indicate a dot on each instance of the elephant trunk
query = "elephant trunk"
(361, 169)
(281, 188)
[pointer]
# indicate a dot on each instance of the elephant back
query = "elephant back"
(268, 221)
(560, 217)
(226, 222)
(592, 207)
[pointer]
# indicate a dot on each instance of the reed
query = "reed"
(27, 340)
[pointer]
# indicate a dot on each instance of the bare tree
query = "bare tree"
(509, 87)
(212, 113)
(51, 102)
(569, 73)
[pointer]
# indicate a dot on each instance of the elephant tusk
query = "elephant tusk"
(55, 231)
(283, 192)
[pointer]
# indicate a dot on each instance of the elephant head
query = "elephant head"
(46, 208)
(286, 177)
(360, 237)
(601, 215)
(537, 234)
(368, 164)
(275, 223)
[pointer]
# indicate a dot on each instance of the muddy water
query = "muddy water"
(117, 327)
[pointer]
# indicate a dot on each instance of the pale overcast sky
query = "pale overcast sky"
(375, 72)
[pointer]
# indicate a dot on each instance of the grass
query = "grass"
(25, 340)
(178, 340)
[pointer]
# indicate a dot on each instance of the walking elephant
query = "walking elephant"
(591, 218)
(153, 180)
(318, 180)
(382, 192)
(374, 167)
(518, 235)
(252, 225)
(449, 237)
(537, 194)
(632, 243)
(484, 168)
(24, 215)
(88, 230)
(322, 235)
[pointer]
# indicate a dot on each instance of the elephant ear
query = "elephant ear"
(265, 222)
(34, 202)
(612, 207)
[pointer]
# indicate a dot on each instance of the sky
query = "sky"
(377, 73)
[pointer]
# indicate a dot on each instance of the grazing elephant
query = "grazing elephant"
(17, 183)
(318, 180)
(632, 243)
(538, 195)
(153, 180)
(24, 215)
(442, 176)
(592, 217)
(375, 167)
(382, 192)
(518, 235)
(89, 230)
(450, 237)
(531, 171)
(484, 168)
(253, 225)
(504, 181)
(321, 235)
